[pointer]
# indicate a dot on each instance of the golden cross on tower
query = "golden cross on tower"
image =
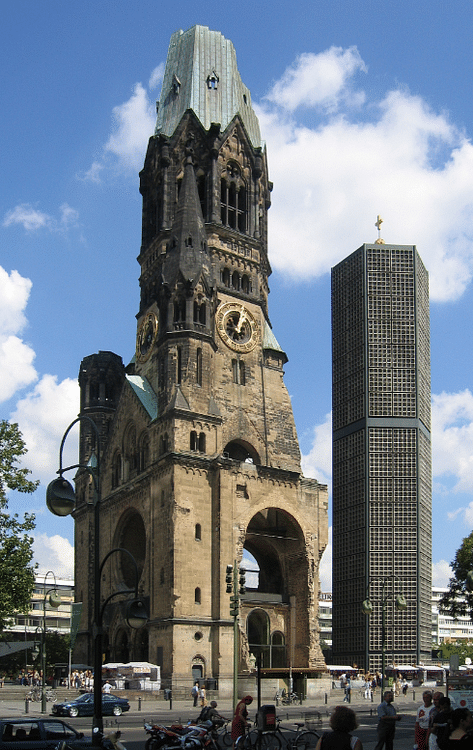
(377, 224)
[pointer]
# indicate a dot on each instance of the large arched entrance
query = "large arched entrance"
(277, 602)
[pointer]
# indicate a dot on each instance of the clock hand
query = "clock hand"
(241, 321)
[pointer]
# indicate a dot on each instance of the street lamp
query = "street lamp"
(61, 499)
(54, 601)
(367, 607)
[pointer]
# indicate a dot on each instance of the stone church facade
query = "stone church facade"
(200, 462)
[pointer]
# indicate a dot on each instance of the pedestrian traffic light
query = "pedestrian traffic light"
(229, 579)
(242, 581)
(234, 605)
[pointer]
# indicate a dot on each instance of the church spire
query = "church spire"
(187, 256)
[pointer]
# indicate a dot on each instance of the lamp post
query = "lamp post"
(61, 499)
(399, 603)
(54, 601)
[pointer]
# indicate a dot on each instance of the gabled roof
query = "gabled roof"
(202, 74)
(145, 393)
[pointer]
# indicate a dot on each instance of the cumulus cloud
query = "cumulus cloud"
(318, 462)
(156, 77)
(319, 80)
(16, 357)
(335, 168)
(134, 122)
(452, 438)
(441, 573)
(54, 553)
(32, 220)
(325, 569)
(42, 435)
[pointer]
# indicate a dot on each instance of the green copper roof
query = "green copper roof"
(145, 393)
(202, 74)
(269, 339)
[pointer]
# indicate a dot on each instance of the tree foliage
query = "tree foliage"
(459, 598)
(464, 650)
(16, 553)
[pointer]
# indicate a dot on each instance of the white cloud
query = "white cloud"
(54, 553)
(325, 569)
(32, 220)
(16, 357)
(334, 172)
(318, 462)
(319, 80)
(92, 174)
(42, 435)
(156, 77)
(441, 573)
(134, 124)
(452, 438)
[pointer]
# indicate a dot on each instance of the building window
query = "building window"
(116, 470)
(239, 372)
(198, 532)
(233, 200)
(179, 366)
(197, 441)
(199, 367)
(198, 596)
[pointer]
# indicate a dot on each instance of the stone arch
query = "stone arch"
(280, 586)
(242, 451)
(130, 535)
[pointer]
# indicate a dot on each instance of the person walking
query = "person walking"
(343, 721)
(387, 718)
(421, 728)
(240, 718)
(195, 692)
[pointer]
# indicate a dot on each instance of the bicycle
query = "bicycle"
(224, 735)
(36, 695)
(303, 739)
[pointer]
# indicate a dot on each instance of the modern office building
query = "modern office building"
(381, 456)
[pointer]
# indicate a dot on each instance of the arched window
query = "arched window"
(179, 366)
(199, 366)
(245, 284)
(235, 280)
(131, 452)
(198, 532)
(239, 372)
(193, 441)
(179, 311)
(143, 452)
(233, 201)
(198, 596)
(116, 470)
(258, 635)
(226, 277)
(202, 442)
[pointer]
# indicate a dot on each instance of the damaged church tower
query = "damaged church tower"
(201, 462)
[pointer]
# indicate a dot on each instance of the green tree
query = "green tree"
(459, 598)
(16, 553)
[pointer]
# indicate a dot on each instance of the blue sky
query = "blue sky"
(366, 110)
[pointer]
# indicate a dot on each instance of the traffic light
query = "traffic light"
(242, 581)
(229, 579)
(234, 605)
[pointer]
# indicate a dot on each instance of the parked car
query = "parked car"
(39, 734)
(84, 706)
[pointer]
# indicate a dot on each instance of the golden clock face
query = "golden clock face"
(237, 327)
(146, 337)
